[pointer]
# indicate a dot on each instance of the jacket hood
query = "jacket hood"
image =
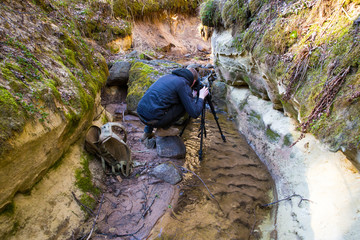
(185, 73)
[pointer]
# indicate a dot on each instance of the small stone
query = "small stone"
(209, 65)
(194, 65)
(167, 172)
(357, 21)
(112, 230)
(119, 179)
(170, 146)
(133, 54)
(150, 143)
(117, 192)
(112, 180)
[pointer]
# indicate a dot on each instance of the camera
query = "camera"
(205, 81)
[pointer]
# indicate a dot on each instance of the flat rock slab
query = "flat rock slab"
(171, 147)
(167, 172)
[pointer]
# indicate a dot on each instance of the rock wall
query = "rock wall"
(50, 77)
(292, 71)
(49, 210)
(301, 57)
(314, 163)
(50, 81)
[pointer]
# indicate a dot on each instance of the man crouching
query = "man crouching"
(167, 100)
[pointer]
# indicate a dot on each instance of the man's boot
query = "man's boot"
(146, 135)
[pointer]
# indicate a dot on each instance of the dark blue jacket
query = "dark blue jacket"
(169, 90)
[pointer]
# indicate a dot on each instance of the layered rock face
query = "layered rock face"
(50, 81)
(292, 93)
(310, 73)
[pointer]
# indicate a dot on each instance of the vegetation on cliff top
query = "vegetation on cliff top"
(147, 8)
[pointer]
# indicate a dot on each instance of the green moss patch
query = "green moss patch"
(11, 118)
(271, 135)
(140, 79)
(84, 183)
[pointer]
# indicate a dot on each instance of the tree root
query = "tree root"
(298, 72)
(326, 98)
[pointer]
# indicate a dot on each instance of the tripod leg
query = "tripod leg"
(185, 125)
(216, 119)
(202, 129)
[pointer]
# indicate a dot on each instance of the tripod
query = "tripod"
(202, 128)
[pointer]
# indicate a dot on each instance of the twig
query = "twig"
(87, 209)
(97, 215)
(152, 203)
(95, 118)
(297, 72)
(121, 235)
(254, 224)
(323, 105)
(187, 170)
(346, 13)
(211, 195)
(336, 13)
(148, 208)
(288, 198)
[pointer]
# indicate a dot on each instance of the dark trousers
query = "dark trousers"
(173, 114)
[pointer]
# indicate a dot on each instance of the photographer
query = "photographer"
(167, 100)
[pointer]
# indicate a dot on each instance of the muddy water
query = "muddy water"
(235, 177)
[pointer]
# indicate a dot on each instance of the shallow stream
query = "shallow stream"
(236, 178)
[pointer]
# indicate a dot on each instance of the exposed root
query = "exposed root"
(325, 100)
(298, 72)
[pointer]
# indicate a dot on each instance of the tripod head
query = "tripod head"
(205, 81)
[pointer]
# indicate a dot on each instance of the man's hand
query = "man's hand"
(194, 93)
(203, 92)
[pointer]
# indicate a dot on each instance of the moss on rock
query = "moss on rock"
(140, 79)
(83, 180)
(141, 75)
(11, 118)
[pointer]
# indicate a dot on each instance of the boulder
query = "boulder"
(142, 74)
(119, 74)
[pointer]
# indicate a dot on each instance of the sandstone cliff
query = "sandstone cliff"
(303, 56)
